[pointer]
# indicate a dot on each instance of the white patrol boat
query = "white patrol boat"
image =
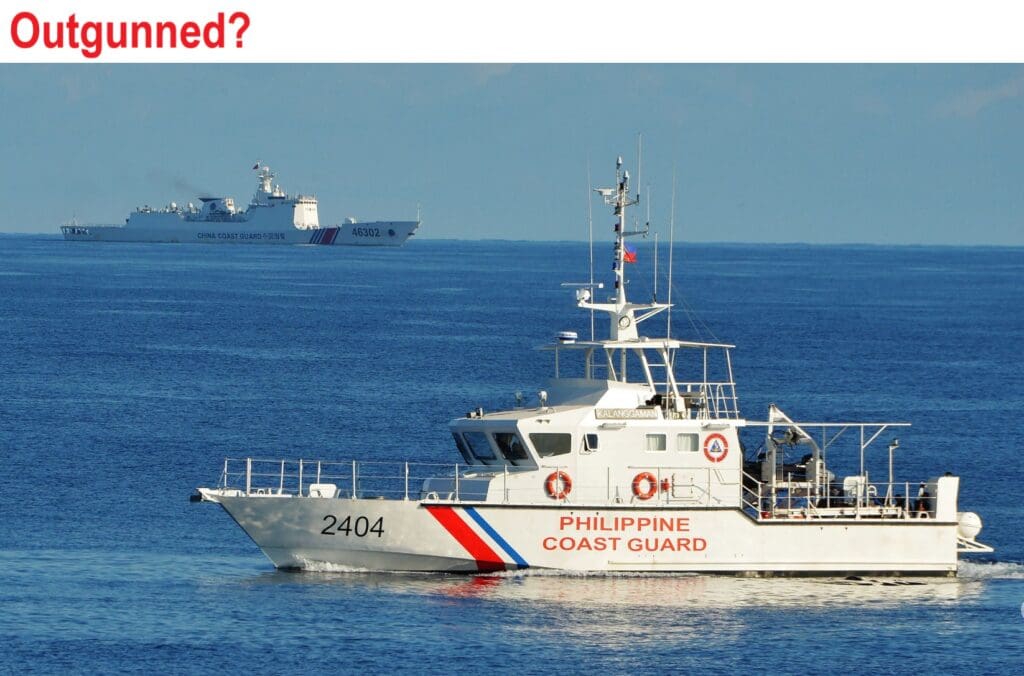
(272, 217)
(630, 461)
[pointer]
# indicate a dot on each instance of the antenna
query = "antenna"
(671, 246)
(655, 260)
(647, 227)
(639, 165)
(590, 227)
(647, 223)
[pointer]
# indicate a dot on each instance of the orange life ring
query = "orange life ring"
(551, 485)
(652, 485)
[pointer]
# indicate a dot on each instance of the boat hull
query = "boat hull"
(400, 535)
(174, 229)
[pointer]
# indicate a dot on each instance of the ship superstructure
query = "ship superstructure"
(272, 217)
(630, 459)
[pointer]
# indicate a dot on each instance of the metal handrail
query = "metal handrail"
(886, 504)
(410, 481)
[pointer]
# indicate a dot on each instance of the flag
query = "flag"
(630, 255)
(256, 166)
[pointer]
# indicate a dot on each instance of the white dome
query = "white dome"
(968, 525)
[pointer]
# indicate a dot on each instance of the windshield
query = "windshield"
(512, 447)
(480, 447)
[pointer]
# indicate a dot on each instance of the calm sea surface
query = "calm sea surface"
(128, 372)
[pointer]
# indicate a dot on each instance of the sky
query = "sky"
(877, 154)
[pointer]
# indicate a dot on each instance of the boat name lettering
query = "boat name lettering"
(628, 413)
(366, 232)
(359, 527)
(637, 524)
(240, 235)
(588, 525)
(614, 544)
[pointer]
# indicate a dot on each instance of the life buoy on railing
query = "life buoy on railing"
(652, 485)
(558, 485)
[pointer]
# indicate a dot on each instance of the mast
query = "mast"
(621, 313)
(621, 202)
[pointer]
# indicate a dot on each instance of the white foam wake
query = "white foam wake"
(327, 567)
(990, 570)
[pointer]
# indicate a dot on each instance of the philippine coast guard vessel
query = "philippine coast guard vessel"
(630, 460)
(272, 217)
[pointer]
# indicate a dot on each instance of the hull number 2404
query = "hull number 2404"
(359, 526)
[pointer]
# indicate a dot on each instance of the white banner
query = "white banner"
(600, 31)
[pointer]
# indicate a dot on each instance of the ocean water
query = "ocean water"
(128, 372)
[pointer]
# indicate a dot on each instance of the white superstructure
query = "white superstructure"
(272, 217)
(628, 460)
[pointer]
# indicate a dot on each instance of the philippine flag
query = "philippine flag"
(630, 255)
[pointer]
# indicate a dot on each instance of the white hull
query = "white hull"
(462, 537)
(379, 233)
(631, 461)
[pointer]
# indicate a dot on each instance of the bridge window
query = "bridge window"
(656, 442)
(551, 443)
(463, 449)
(512, 447)
(686, 443)
(590, 442)
(480, 447)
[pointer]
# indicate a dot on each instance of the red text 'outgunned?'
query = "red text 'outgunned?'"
(92, 37)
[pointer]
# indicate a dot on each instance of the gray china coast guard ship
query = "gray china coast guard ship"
(272, 217)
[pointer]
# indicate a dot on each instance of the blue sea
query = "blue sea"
(129, 371)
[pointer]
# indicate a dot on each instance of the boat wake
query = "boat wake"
(990, 570)
(326, 567)
(966, 570)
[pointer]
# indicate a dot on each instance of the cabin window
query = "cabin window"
(551, 443)
(512, 447)
(656, 442)
(463, 449)
(590, 442)
(686, 443)
(480, 447)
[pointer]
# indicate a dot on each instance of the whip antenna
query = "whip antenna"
(590, 227)
(639, 166)
(655, 266)
(671, 246)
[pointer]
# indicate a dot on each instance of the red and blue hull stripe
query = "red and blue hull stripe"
(501, 542)
(487, 559)
(324, 236)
